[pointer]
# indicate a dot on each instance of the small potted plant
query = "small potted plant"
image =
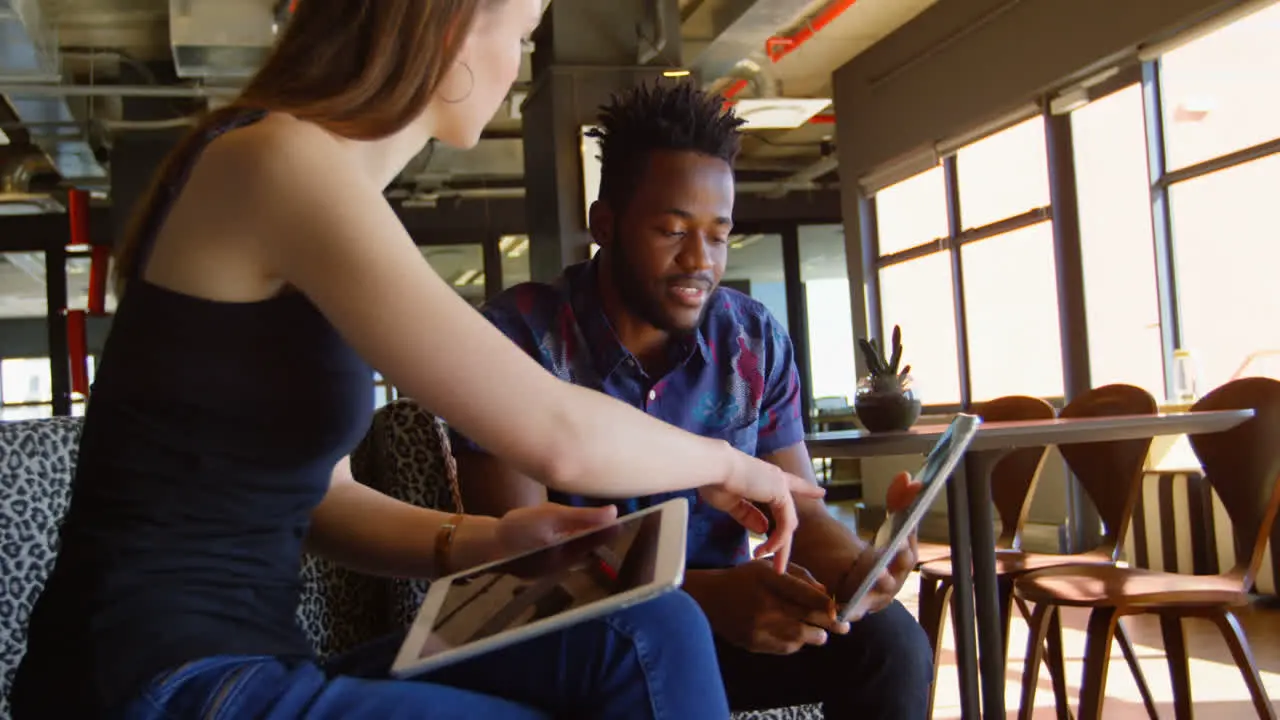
(885, 399)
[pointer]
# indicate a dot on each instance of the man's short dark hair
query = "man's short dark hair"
(659, 116)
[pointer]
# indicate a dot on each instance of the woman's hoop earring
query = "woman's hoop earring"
(471, 85)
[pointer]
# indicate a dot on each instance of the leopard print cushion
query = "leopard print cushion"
(408, 456)
(37, 460)
(340, 609)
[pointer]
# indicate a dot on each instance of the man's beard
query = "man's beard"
(636, 298)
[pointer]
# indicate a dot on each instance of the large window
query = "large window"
(755, 269)
(26, 388)
(913, 212)
(1003, 175)
(825, 275)
(1011, 310)
(1219, 90)
(1183, 259)
(1004, 242)
(1217, 110)
(919, 296)
(917, 293)
(1227, 252)
(1114, 195)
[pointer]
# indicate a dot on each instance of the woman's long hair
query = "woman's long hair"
(361, 69)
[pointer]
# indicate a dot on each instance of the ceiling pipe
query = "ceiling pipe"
(143, 91)
(652, 48)
(805, 178)
(778, 47)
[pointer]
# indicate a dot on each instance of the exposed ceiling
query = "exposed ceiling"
(79, 44)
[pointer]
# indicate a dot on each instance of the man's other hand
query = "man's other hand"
(758, 609)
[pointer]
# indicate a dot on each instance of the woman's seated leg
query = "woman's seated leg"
(656, 660)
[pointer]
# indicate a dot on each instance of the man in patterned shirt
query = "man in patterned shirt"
(645, 322)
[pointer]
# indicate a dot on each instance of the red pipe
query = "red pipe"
(778, 47)
(78, 213)
(77, 339)
(78, 352)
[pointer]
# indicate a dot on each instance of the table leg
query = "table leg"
(962, 597)
(991, 640)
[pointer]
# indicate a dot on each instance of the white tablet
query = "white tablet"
(938, 466)
(635, 558)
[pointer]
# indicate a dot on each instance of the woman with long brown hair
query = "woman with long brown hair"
(262, 277)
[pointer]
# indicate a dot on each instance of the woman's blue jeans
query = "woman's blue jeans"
(655, 660)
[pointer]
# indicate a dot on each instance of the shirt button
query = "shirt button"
(653, 395)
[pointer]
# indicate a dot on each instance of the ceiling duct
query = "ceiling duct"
(29, 55)
(16, 196)
(221, 39)
(720, 35)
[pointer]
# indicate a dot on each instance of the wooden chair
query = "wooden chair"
(1243, 467)
(1111, 475)
(1012, 482)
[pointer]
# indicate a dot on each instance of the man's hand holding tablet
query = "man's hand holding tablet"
(877, 574)
(902, 492)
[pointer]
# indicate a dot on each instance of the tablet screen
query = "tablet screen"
(547, 582)
(894, 534)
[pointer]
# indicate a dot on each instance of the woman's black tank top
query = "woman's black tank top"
(210, 436)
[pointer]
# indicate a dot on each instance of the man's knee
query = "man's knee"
(896, 645)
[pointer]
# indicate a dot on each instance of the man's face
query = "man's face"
(667, 251)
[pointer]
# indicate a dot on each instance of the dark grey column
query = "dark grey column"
(586, 50)
(136, 155)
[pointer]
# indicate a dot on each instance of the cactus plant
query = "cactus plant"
(885, 375)
(886, 399)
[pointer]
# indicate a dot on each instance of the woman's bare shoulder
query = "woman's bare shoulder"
(277, 144)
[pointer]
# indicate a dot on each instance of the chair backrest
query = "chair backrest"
(1243, 465)
(1013, 481)
(37, 463)
(407, 455)
(1110, 472)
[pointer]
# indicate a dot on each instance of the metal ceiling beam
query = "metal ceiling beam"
(453, 220)
(723, 34)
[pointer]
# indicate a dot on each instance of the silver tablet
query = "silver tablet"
(938, 466)
(635, 558)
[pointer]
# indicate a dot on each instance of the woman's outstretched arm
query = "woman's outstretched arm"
(323, 228)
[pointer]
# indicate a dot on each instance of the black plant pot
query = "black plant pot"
(887, 411)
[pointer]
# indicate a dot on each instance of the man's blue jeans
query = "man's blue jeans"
(656, 660)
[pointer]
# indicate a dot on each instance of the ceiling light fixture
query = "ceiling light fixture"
(465, 277)
(779, 113)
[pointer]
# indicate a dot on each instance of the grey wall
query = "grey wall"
(963, 63)
(29, 337)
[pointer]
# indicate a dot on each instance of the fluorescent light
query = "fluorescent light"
(779, 113)
(465, 277)
(675, 73)
(513, 246)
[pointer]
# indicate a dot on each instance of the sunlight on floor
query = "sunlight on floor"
(1216, 683)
